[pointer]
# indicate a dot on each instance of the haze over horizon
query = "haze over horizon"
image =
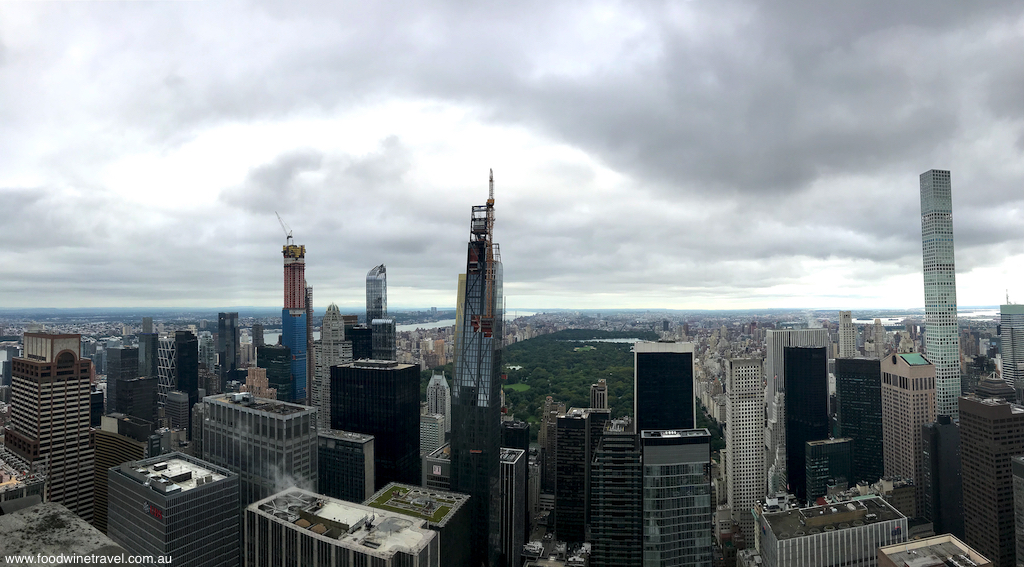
(687, 155)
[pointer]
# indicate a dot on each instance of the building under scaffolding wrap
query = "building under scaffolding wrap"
(476, 399)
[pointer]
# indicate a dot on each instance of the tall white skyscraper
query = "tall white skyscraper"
(775, 395)
(439, 399)
(744, 417)
(331, 350)
(1011, 335)
(847, 335)
(942, 338)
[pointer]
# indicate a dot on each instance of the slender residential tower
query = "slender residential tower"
(293, 317)
(941, 339)
(476, 401)
(376, 293)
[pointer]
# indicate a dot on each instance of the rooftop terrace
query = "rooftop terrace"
(830, 517)
(434, 506)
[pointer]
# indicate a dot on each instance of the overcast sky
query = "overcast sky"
(702, 154)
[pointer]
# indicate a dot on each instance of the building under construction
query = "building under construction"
(476, 398)
(294, 317)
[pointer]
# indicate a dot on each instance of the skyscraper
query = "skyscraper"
(228, 338)
(827, 461)
(186, 370)
(908, 403)
(122, 364)
(806, 371)
(120, 439)
(859, 412)
(745, 439)
(1011, 346)
(476, 400)
(677, 498)
(599, 394)
(513, 505)
(847, 335)
(439, 398)
(383, 339)
(991, 433)
(277, 360)
(381, 399)
(293, 316)
(616, 497)
(149, 358)
(50, 416)
(941, 477)
(376, 294)
(775, 396)
(332, 349)
(663, 386)
(942, 338)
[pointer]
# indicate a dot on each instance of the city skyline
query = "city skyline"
(780, 172)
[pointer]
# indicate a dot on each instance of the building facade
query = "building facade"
(663, 386)
(908, 403)
(513, 505)
(1011, 346)
(120, 439)
(175, 506)
(293, 320)
(432, 436)
(271, 445)
(991, 434)
(828, 463)
(942, 336)
(229, 339)
(941, 476)
(847, 335)
(439, 398)
(50, 417)
(616, 497)
(859, 414)
(345, 465)
(806, 371)
(744, 444)
(331, 350)
(122, 364)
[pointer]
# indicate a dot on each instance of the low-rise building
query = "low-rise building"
(938, 551)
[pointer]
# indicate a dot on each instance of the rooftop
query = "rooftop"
(443, 453)
(914, 359)
(937, 551)
(16, 473)
(172, 473)
(434, 506)
(830, 441)
(248, 400)
(51, 529)
(509, 455)
(830, 517)
(371, 531)
(345, 435)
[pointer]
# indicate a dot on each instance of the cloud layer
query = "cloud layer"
(663, 154)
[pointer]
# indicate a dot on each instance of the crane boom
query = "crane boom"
(287, 230)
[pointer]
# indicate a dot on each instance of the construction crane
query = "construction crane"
(287, 229)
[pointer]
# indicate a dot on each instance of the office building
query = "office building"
(276, 359)
(908, 403)
(120, 439)
(293, 321)
(177, 410)
(431, 432)
(1017, 470)
(616, 496)
(599, 394)
(991, 433)
(381, 398)
(1011, 346)
(122, 364)
(859, 414)
(137, 397)
(383, 339)
(345, 465)
(941, 476)
(439, 398)
(546, 436)
(991, 387)
(744, 443)
(229, 337)
(444, 512)
(50, 416)
(776, 341)
(437, 469)
(578, 432)
(515, 434)
(96, 407)
(846, 533)
(937, 550)
(272, 445)
(207, 351)
(476, 399)
(663, 386)
(677, 502)
(362, 341)
(942, 337)
(806, 371)
(166, 375)
(331, 350)
(828, 464)
(175, 506)
(847, 336)
(149, 356)
(513, 505)
(257, 384)
(147, 325)
(257, 335)
(297, 527)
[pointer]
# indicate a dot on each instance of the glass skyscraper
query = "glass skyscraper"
(293, 315)
(941, 339)
(376, 294)
(1011, 346)
(476, 399)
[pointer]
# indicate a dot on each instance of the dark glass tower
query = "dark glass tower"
(122, 364)
(859, 393)
(616, 496)
(277, 359)
(149, 358)
(376, 294)
(663, 386)
(137, 398)
(228, 339)
(476, 398)
(381, 399)
(941, 479)
(806, 370)
(186, 365)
